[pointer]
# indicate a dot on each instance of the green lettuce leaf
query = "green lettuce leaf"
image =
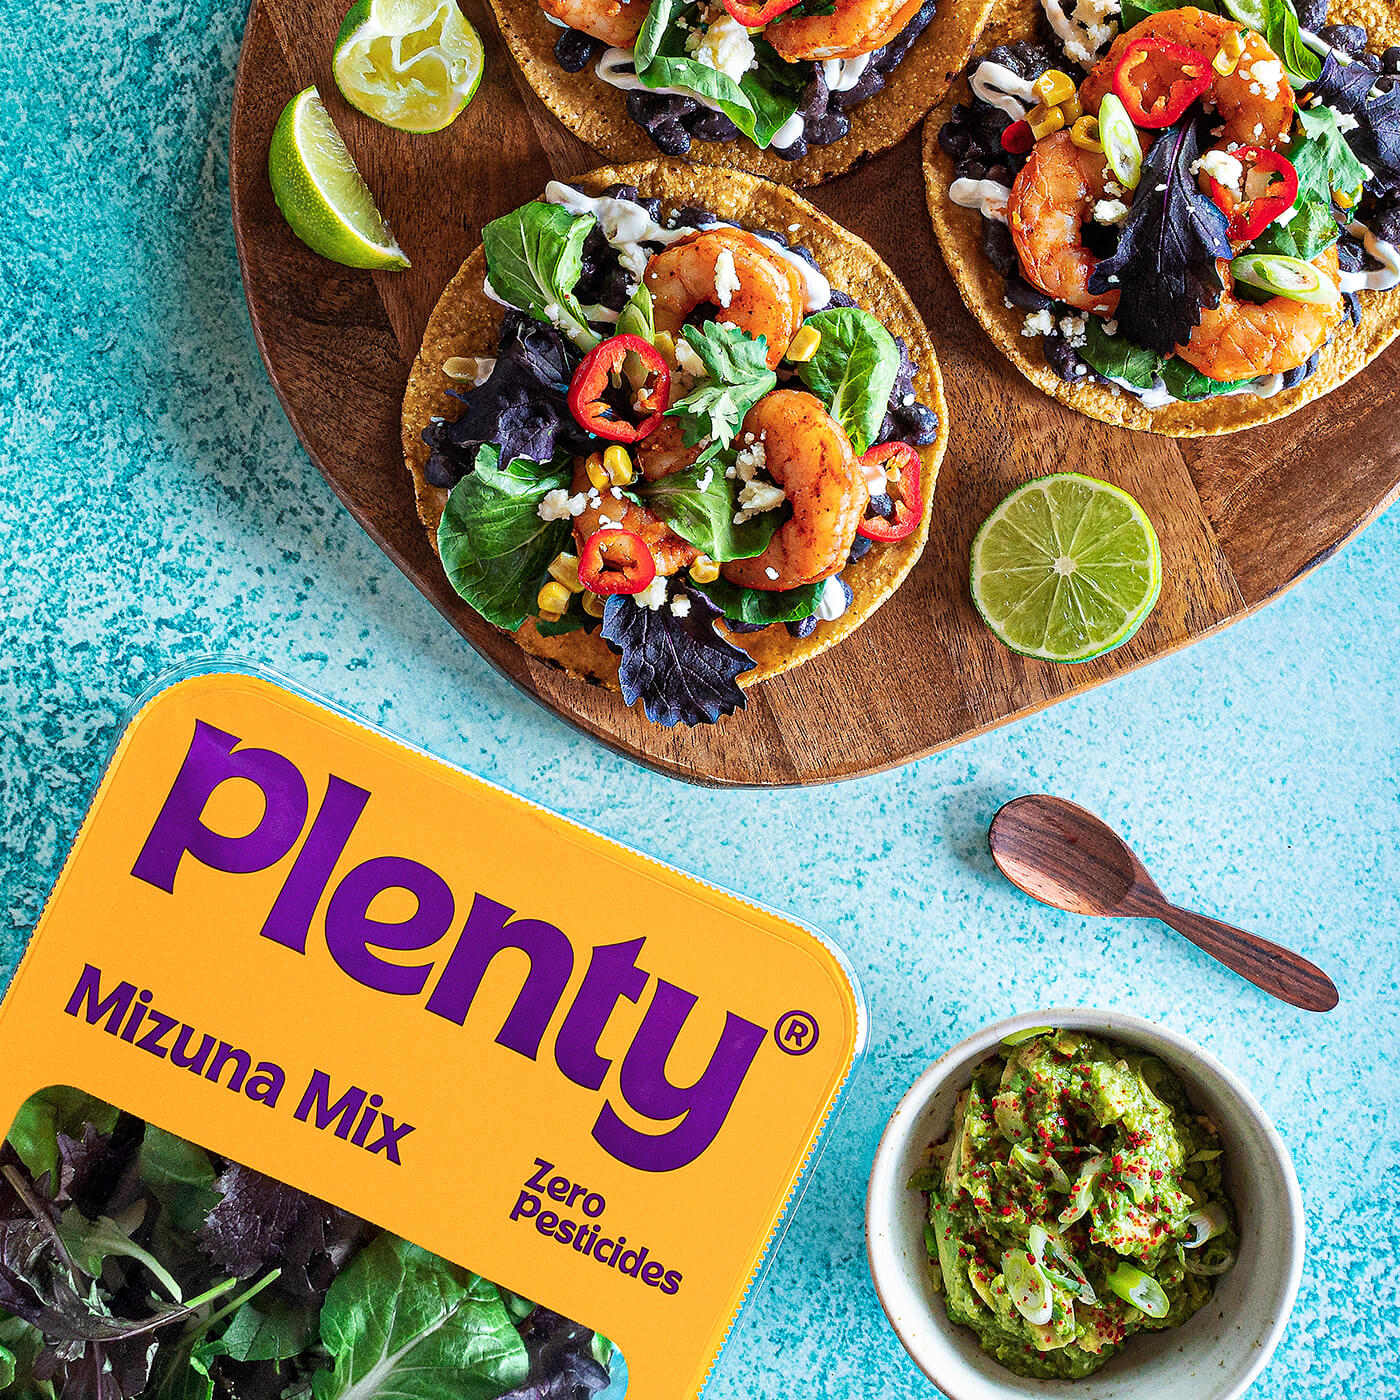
(762, 606)
(402, 1324)
(853, 371)
(1116, 358)
(534, 256)
(637, 316)
(34, 1133)
(700, 503)
(1312, 230)
(758, 104)
(1188, 384)
(494, 546)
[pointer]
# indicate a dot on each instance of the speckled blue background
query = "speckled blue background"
(155, 507)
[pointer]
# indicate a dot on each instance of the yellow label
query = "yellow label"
(585, 1075)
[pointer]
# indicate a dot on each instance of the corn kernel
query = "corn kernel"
(597, 475)
(664, 343)
(1085, 134)
(1045, 121)
(1231, 50)
(553, 598)
(1072, 108)
(804, 345)
(593, 605)
(704, 570)
(1053, 87)
(564, 569)
(1346, 199)
(617, 463)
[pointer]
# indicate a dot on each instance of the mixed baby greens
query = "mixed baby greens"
(135, 1264)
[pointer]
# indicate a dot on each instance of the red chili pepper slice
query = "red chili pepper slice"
(615, 561)
(1250, 216)
(1157, 80)
(593, 378)
(906, 493)
(756, 15)
(1018, 139)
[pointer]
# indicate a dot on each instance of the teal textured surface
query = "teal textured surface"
(156, 508)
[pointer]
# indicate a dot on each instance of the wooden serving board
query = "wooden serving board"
(1240, 518)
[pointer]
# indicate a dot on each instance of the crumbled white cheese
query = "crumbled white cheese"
(1222, 167)
(1087, 30)
(1039, 323)
(749, 460)
(726, 47)
(755, 497)
(726, 277)
(772, 573)
(1110, 328)
(1268, 72)
(559, 505)
(688, 362)
(704, 482)
(680, 607)
(1346, 122)
(653, 595)
(1110, 211)
(1072, 327)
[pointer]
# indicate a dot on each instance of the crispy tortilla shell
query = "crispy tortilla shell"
(983, 289)
(596, 111)
(464, 322)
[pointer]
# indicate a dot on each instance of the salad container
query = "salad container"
(437, 1009)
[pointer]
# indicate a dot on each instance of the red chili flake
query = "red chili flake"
(1155, 1174)
(1006, 1210)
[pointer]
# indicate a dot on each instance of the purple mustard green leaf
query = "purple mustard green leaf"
(677, 665)
(563, 1365)
(1165, 264)
(1347, 88)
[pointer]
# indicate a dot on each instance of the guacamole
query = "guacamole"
(1076, 1200)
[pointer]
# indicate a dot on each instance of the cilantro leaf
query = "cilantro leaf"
(680, 668)
(1321, 156)
(1165, 262)
(737, 376)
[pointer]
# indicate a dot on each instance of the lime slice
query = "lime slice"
(411, 64)
(321, 193)
(1066, 568)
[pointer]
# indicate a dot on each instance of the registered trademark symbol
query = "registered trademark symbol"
(796, 1032)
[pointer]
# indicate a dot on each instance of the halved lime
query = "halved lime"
(411, 64)
(1066, 568)
(321, 193)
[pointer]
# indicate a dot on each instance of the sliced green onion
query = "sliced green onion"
(1249, 13)
(1030, 1290)
(1140, 1289)
(1285, 277)
(1040, 1167)
(1020, 1037)
(1045, 1247)
(1121, 146)
(1206, 1225)
(1206, 1154)
(1079, 1193)
(1214, 1259)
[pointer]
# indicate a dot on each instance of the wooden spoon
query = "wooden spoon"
(1064, 856)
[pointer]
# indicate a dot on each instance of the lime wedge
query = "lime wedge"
(321, 193)
(1066, 568)
(411, 64)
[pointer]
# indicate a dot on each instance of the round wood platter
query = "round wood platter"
(1240, 518)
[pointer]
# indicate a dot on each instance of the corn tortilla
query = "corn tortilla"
(983, 289)
(596, 111)
(465, 322)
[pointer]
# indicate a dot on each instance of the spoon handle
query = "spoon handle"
(1278, 970)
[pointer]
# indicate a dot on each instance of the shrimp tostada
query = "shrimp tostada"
(654, 435)
(796, 90)
(1181, 218)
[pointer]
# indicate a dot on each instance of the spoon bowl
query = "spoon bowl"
(1066, 857)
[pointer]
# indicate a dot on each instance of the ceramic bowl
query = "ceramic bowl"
(1214, 1356)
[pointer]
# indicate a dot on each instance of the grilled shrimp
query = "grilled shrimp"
(748, 284)
(615, 22)
(1246, 339)
(1255, 102)
(855, 27)
(1051, 201)
(670, 551)
(809, 455)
